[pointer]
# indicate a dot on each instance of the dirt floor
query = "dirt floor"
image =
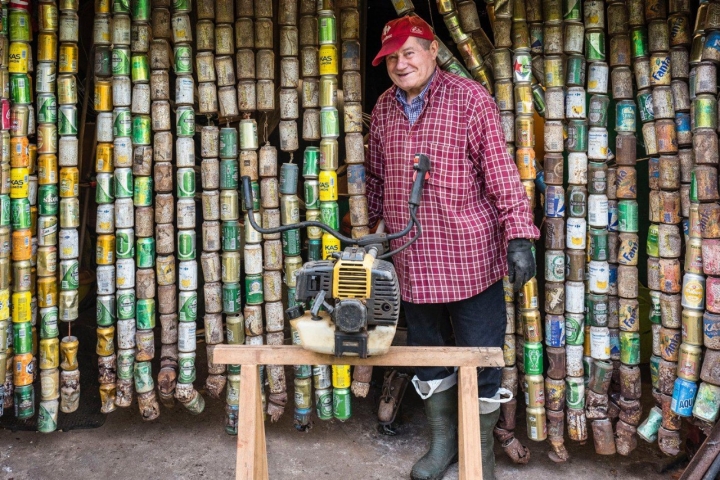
(181, 446)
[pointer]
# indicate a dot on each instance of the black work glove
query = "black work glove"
(521, 263)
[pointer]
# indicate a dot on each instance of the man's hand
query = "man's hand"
(521, 263)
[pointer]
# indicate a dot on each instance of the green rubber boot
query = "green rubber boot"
(487, 442)
(442, 414)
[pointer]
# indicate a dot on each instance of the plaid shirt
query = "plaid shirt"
(473, 203)
(415, 107)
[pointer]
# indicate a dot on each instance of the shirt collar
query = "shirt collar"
(402, 96)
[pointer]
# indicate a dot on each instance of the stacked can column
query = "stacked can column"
(466, 45)
(142, 194)
(6, 325)
(118, 152)
(105, 224)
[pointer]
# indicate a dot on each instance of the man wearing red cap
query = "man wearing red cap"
(476, 224)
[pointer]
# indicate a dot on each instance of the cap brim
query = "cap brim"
(389, 47)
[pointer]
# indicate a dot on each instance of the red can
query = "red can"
(711, 256)
(712, 294)
(670, 276)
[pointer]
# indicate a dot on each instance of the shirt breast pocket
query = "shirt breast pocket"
(450, 181)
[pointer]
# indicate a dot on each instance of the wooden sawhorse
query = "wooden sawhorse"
(251, 448)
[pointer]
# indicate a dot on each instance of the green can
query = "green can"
(255, 187)
(292, 301)
(329, 122)
(187, 301)
(533, 358)
(231, 298)
(125, 304)
(186, 363)
(229, 174)
(49, 322)
(575, 392)
(22, 337)
(140, 10)
(653, 247)
(574, 328)
(327, 30)
(645, 107)
(125, 364)
(330, 214)
(231, 236)
(185, 122)
(577, 136)
(104, 188)
(572, 10)
(291, 242)
(234, 331)
(105, 309)
(20, 208)
(124, 183)
(705, 110)
(121, 62)
(145, 252)
(5, 210)
(24, 402)
(186, 245)
(185, 183)
(342, 409)
(143, 191)
(183, 60)
(302, 371)
(67, 120)
(655, 370)
(454, 66)
(598, 244)
(143, 377)
(311, 162)
(575, 69)
(630, 348)
(141, 128)
(314, 249)
(145, 314)
(693, 188)
(121, 6)
(48, 200)
(312, 194)
(140, 71)
(182, 6)
(47, 416)
(19, 25)
(228, 143)
(122, 122)
(638, 42)
(324, 403)
(69, 274)
(597, 310)
(595, 45)
(124, 243)
(47, 108)
(539, 103)
(20, 88)
(628, 216)
(254, 289)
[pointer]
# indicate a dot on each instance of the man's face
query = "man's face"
(411, 66)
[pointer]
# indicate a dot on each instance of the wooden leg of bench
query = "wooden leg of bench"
(251, 448)
(470, 460)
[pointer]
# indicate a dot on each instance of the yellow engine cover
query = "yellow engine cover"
(353, 279)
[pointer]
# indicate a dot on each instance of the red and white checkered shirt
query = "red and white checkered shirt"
(473, 202)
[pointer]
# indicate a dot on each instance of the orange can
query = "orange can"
(22, 369)
(19, 152)
(525, 161)
(21, 245)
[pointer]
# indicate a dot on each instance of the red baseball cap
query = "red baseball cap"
(396, 33)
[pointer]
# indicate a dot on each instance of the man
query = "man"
(475, 218)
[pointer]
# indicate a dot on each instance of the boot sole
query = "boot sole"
(441, 474)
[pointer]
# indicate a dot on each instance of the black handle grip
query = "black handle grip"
(421, 167)
(247, 193)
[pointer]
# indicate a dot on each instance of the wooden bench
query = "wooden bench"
(251, 448)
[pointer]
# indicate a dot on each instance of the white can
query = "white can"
(186, 213)
(575, 297)
(69, 244)
(122, 152)
(105, 222)
(693, 291)
(124, 213)
(598, 78)
(577, 168)
(211, 205)
(555, 101)
(227, 102)
(575, 103)
(599, 276)
(207, 95)
(68, 305)
(574, 360)
(32, 189)
(182, 29)
(185, 147)
(47, 231)
(121, 30)
(253, 259)
(187, 275)
(140, 99)
(597, 143)
(600, 343)
(576, 233)
(105, 276)
(161, 116)
(69, 27)
(184, 90)
(598, 210)
(125, 275)
(186, 337)
(122, 92)
(103, 127)
(68, 152)
(126, 333)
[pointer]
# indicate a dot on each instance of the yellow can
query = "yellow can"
(105, 251)
(47, 17)
(21, 307)
(104, 158)
(47, 292)
(105, 345)
(69, 180)
(103, 96)
(47, 47)
(33, 222)
(19, 182)
(19, 152)
(18, 57)
(330, 245)
(4, 304)
(68, 58)
(67, 90)
(49, 353)
(341, 376)
(328, 186)
(327, 60)
(102, 6)
(47, 169)
(33, 153)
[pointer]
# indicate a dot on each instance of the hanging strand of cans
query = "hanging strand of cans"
(105, 224)
(6, 325)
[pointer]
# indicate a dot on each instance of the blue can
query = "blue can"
(614, 344)
(554, 201)
(555, 330)
(613, 219)
(682, 123)
(625, 116)
(683, 397)
(613, 277)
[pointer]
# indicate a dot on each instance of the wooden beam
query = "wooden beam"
(469, 451)
(396, 356)
(251, 462)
